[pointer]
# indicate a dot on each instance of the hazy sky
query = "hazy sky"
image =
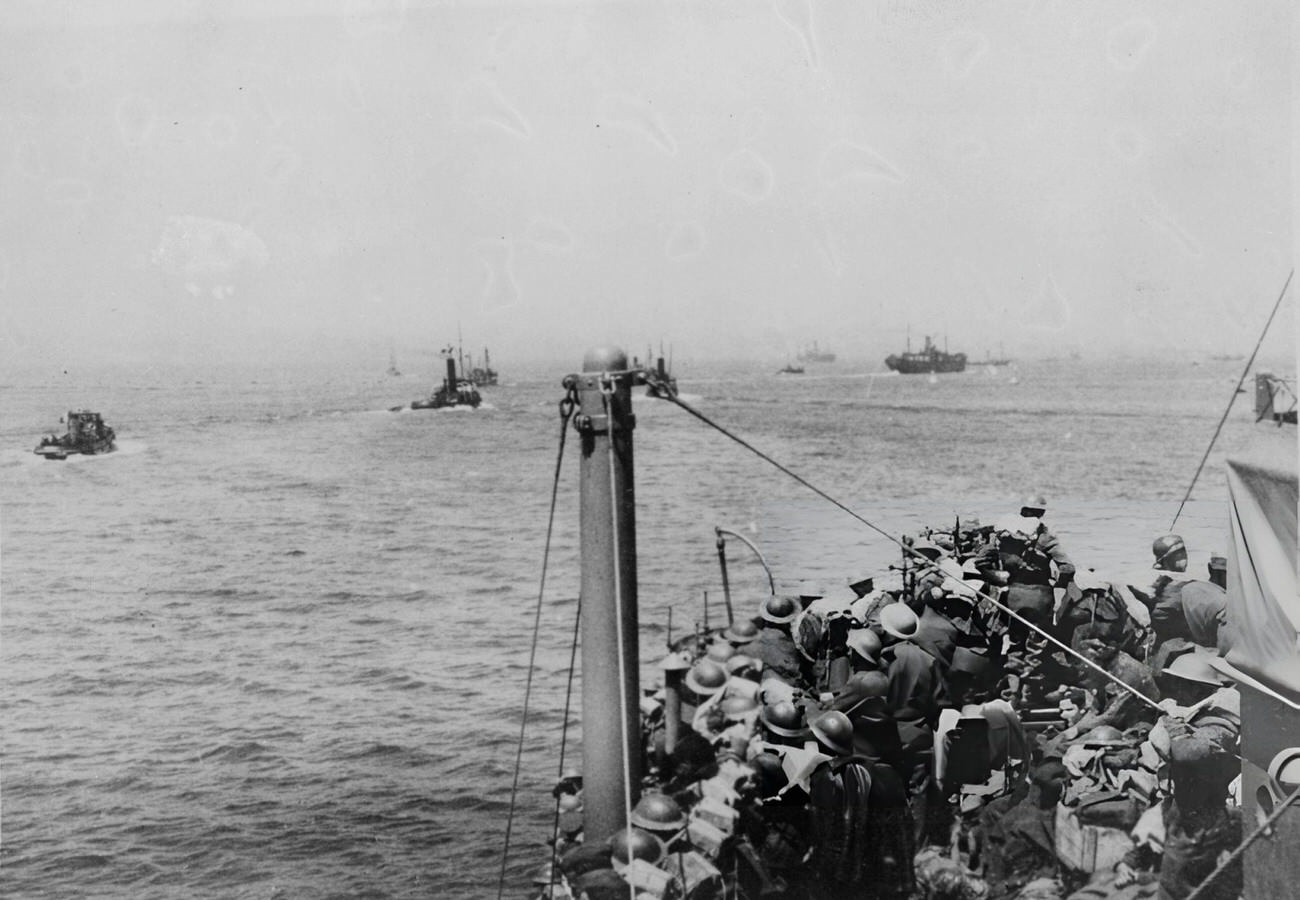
(210, 179)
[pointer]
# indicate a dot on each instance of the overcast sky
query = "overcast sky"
(207, 179)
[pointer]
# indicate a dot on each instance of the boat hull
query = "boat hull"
(444, 399)
(925, 364)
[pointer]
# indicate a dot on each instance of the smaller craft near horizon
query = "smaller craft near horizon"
(790, 369)
(815, 354)
(658, 381)
(1001, 360)
(87, 434)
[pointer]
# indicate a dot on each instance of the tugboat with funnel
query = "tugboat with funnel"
(661, 384)
(454, 391)
(929, 359)
(87, 434)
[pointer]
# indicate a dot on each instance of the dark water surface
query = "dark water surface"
(277, 644)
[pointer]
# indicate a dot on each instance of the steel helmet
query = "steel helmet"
(898, 620)
(741, 687)
(864, 642)
(1034, 502)
(658, 812)
(706, 678)
(868, 684)
(741, 632)
(779, 610)
(773, 688)
(742, 665)
(1170, 552)
(834, 730)
(628, 844)
(1194, 666)
(735, 709)
(1104, 736)
(720, 651)
(783, 718)
(928, 548)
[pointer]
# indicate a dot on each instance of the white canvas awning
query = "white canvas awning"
(1263, 605)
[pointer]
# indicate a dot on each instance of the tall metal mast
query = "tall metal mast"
(611, 720)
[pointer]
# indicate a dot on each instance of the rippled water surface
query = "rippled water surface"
(277, 644)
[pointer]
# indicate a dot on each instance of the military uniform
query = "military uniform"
(1198, 825)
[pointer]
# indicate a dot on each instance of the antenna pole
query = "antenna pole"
(1244, 372)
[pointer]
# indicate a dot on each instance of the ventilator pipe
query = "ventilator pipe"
(675, 668)
(726, 584)
(610, 689)
(720, 531)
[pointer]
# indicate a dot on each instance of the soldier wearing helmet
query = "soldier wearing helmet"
(1181, 606)
(1035, 563)
(777, 821)
(774, 647)
(915, 674)
(1170, 553)
(875, 733)
(1201, 736)
(861, 824)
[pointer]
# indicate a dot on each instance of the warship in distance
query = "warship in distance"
(86, 434)
(928, 359)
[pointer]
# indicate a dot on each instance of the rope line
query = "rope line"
(625, 740)
(566, 412)
(564, 734)
(1250, 839)
(1240, 381)
(907, 550)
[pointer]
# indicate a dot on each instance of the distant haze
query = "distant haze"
(226, 181)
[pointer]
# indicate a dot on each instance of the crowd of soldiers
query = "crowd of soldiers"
(994, 722)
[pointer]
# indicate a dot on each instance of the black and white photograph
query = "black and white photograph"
(649, 450)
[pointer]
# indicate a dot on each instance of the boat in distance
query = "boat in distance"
(454, 391)
(929, 359)
(815, 354)
(87, 434)
(484, 375)
(790, 370)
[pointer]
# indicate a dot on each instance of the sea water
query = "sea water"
(277, 644)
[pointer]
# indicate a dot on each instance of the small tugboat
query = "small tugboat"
(660, 383)
(928, 360)
(813, 354)
(86, 434)
(453, 391)
(790, 370)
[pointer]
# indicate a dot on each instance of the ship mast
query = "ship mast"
(611, 721)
